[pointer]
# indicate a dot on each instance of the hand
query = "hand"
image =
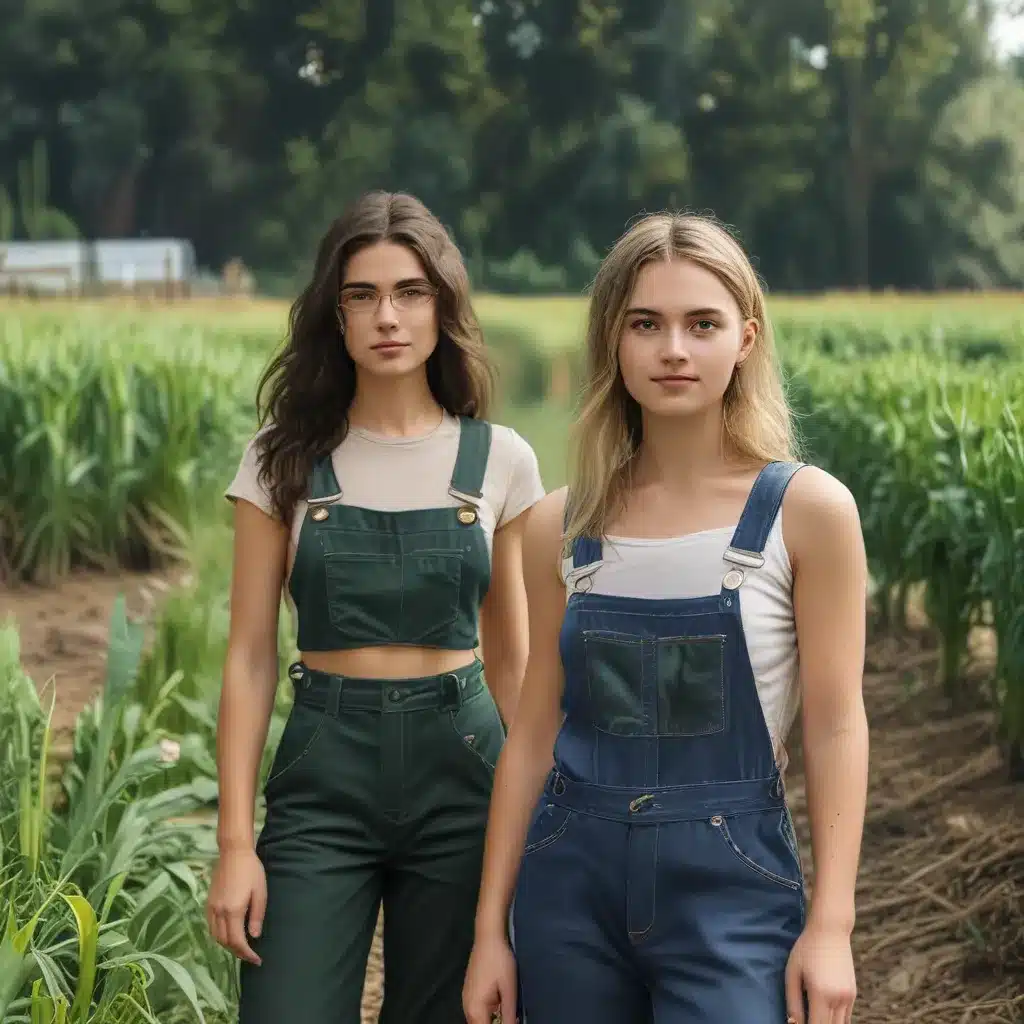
(238, 890)
(821, 965)
(490, 984)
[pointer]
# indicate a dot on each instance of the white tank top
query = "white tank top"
(693, 566)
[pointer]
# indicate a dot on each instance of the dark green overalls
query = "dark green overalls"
(380, 787)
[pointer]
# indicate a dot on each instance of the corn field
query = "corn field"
(934, 453)
(120, 426)
(110, 439)
(117, 429)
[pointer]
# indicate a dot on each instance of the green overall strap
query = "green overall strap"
(471, 460)
(323, 483)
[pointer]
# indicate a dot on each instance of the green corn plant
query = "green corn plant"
(104, 895)
(932, 451)
(113, 444)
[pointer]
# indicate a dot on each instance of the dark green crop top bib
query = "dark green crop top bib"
(363, 577)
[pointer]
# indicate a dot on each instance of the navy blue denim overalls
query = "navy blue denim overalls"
(661, 880)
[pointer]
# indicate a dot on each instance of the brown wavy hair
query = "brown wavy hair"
(305, 393)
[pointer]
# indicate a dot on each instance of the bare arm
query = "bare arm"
(829, 598)
(503, 618)
(527, 755)
(250, 669)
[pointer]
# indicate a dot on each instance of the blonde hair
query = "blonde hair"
(757, 422)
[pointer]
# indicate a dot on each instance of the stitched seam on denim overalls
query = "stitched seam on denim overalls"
(640, 936)
(548, 840)
(723, 829)
(309, 746)
(789, 836)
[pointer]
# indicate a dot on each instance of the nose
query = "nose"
(387, 315)
(676, 347)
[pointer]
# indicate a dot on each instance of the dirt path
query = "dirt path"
(940, 897)
(940, 927)
(64, 631)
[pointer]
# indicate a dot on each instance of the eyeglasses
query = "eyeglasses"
(365, 300)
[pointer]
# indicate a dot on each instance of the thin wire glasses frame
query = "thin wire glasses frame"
(406, 297)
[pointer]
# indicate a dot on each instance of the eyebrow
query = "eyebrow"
(707, 311)
(370, 286)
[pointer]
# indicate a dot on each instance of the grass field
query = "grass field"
(119, 425)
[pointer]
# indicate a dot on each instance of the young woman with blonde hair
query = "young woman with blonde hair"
(391, 513)
(639, 817)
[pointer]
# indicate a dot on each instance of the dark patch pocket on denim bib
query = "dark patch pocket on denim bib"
(679, 692)
(431, 585)
(614, 666)
(690, 674)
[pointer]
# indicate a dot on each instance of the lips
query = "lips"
(389, 346)
(674, 378)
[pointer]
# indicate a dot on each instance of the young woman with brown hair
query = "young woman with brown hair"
(390, 512)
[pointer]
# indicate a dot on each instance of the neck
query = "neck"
(676, 451)
(394, 406)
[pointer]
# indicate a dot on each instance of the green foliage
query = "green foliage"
(39, 220)
(110, 441)
(934, 454)
(846, 140)
(103, 881)
(6, 219)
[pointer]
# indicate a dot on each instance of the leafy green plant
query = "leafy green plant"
(104, 886)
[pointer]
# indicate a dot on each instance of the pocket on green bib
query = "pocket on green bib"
(363, 594)
(431, 587)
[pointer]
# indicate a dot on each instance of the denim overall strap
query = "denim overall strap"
(586, 556)
(324, 488)
(751, 534)
(471, 461)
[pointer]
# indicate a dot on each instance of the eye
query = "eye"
(705, 325)
(359, 296)
(644, 323)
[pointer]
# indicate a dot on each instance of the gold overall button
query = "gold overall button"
(466, 515)
(319, 514)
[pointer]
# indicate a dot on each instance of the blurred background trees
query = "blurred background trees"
(853, 143)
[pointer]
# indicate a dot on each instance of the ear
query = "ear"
(751, 329)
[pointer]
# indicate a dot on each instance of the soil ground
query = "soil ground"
(940, 903)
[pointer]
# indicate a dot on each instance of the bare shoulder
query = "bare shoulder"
(542, 543)
(546, 517)
(820, 515)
